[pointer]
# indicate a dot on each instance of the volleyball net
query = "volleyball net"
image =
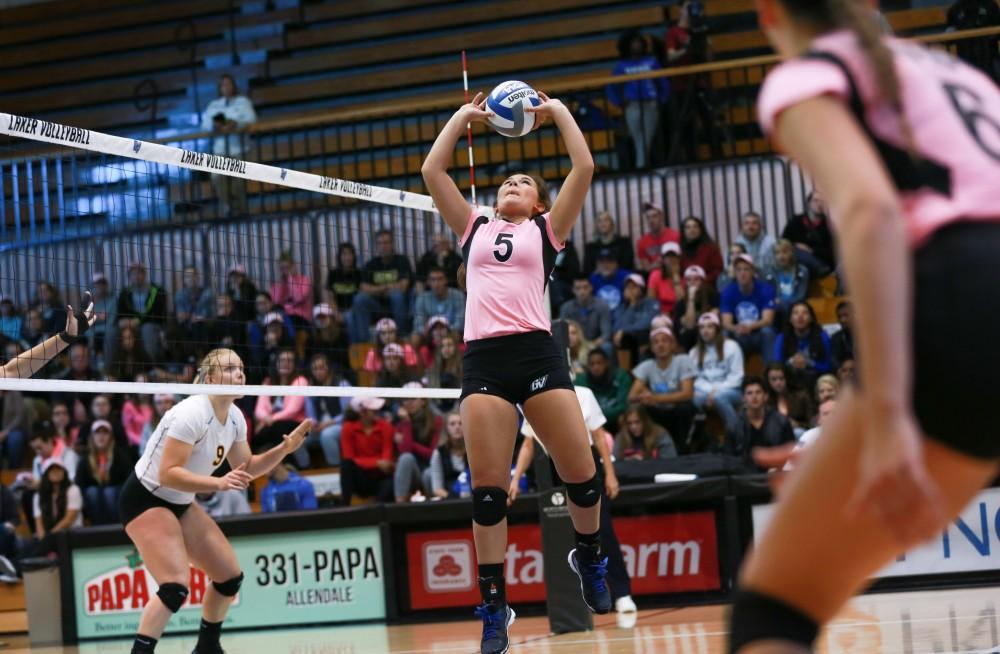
(185, 250)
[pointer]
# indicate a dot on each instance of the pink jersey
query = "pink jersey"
(507, 269)
(953, 111)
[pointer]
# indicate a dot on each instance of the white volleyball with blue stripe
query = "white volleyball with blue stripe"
(508, 102)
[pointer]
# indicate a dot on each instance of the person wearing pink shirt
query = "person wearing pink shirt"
(511, 359)
(276, 416)
(904, 142)
(293, 292)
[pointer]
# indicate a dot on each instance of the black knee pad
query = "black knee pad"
(173, 596)
(585, 494)
(230, 587)
(489, 505)
(756, 617)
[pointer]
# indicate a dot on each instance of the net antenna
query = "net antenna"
(468, 130)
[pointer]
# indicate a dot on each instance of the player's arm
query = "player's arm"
(524, 457)
(449, 200)
(568, 205)
(258, 465)
(600, 438)
(28, 363)
(174, 475)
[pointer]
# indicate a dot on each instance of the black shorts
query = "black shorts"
(135, 499)
(956, 337)
(514, 367)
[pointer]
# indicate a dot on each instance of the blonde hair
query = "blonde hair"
(211, 361)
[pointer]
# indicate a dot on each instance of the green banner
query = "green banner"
(290, 579)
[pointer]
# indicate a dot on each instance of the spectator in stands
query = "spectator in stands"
(64, 425)
(755, 241)
(699, 298)
(13, 427)
(326, 412)
(608, 280)
(328, 335)
(803, 345)
(811, 236)
(224, 504)
(137, 412)
(842, 343)
(641, 439)
(10, 321)
(609, 385)
(57, 506)
(386, 333)
(608, 238)
(102, 472)
(827, 388)
(564, 272)
(276, 416)
(630, 324)
(649, 249)
(789, 278)
(759, 425)
(437, 328)
(227, 328)
(48, 303)
(46, 445)
(229, 117)
(449, 460)
(128, 358)
(640, 100)
(102, 408)
(728, 275)
(592, 314)
(33, 331)
(286, 490)
(265, 311)
(343, 282)
(665, 284)
(366, 453)
(698, 249)
(418, 430)
(846, 372)
(277, 336)
(980, 52)
(243, 290)
(579, 346)
(394, 374)
(826, 408)
(79, 370)
(792, 402)
(438, 300)
(443, 257)
(11, 544)
(747, 306)
(719, 365)
(293, 292)
(101, 334)
(385, 286)
(194, 305)
(162, 402)
(445, 371)
(143, 306)
(664, 385)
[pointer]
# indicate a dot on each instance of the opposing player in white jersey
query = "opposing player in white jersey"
(28, 363)
(157, 504)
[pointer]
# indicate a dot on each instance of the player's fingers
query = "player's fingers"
(543, 96)
(475, 100)
(773, 457)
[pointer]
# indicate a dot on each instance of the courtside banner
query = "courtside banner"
(666, 553)
(970, 543)
(76, 137)
(294, 578)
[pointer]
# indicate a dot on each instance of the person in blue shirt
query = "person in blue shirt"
(287, 491)
(640, 99)
(608, 280)
(633, 319)
(804, 346)
(747, 306)
(789, 278)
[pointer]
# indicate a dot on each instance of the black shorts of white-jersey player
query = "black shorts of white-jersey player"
(489, 417)
(171, 536)
(28, 363)
(904, 452)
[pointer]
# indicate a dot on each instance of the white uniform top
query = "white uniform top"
(191, 421)
(593, 417)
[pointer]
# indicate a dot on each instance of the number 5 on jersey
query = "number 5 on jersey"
(506, 242)
(220, 452)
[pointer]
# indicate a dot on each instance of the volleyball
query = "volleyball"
(507, 102)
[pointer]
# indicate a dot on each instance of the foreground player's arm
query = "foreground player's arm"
(258, 465)
(568, 205)
(449, 200)
(28, 363)
(174, 475)
(600, 438)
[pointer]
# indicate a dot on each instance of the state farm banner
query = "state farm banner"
(666, 553)
(292, 578)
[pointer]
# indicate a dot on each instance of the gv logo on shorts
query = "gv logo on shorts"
(539, 383)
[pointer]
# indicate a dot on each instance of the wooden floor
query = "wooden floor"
(908, 623)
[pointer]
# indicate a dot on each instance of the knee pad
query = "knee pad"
(230, 587)
(173, 596)
(757, 617)
(585, 494)
(489, 505)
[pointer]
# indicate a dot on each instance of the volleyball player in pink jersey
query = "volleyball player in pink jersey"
(511, 358)
(905, 144)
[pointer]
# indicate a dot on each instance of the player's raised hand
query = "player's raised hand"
(78, 322)
(294, 440)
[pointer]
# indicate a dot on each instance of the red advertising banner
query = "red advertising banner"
(665, 553)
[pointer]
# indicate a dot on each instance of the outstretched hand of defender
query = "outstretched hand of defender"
(78, 322)
(236, 479)
(294, 440)
(779, 461)
(476, 111)
(893, 480)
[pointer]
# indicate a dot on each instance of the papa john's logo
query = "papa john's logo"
(448, 566)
